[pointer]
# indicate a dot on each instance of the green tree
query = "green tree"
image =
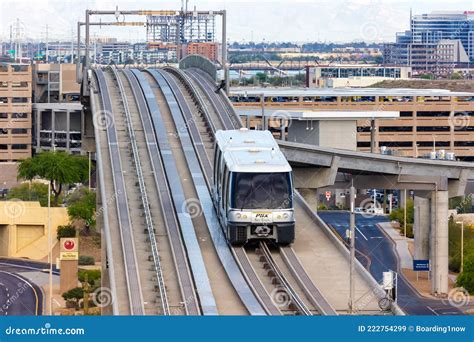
(82, 206)
(466, 278)
(399, 215)
(463, 204)
(59, 168)
(93, 277)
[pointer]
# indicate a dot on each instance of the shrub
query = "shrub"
(86, 260)
(93, 277)
(466, 278)
(73, 296)
(66, 231)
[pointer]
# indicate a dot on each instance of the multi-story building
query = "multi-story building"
(436, 42)
(15, 119)
(352, 75)
(412, 122)
(15, 112)
(57, 113)
(209, 50)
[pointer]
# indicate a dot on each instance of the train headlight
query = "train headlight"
(286, 216)
(244, 216)
(238, 215)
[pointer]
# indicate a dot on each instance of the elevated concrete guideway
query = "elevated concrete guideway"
(389, 172)
(434, 182)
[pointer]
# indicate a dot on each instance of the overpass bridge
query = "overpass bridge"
(166, 253)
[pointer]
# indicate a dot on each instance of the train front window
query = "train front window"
(261, 191)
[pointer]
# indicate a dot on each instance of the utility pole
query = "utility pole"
(352, 250)
(405, 213)
(462, 245)
(47, 44)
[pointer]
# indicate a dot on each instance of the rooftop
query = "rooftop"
(346, 92)
(251, 151)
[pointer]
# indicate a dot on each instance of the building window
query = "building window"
(406, 114)
(20, 100)
(396, 143)
(363, 144)
(430, 144)
(363, 129)
(463, 143)
(19, 147)
(3, 131)
(19, 115)
(19, 131)
(20, 84)
(432, 114)
(3, 115)
(3, 100)
(396, 129)
(433, 129)
(3, 147)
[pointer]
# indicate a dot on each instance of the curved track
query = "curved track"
(222, 116)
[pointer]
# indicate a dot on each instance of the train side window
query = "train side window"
(225, 186)
(216, 161)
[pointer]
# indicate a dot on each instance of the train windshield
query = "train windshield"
(261, 191)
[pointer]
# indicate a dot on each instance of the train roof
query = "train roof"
(251, 151)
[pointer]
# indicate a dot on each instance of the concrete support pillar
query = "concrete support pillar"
(439, 242)
(53, 129)
(421, 228)
(68, 129)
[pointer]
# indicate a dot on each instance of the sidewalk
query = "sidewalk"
(401, 244)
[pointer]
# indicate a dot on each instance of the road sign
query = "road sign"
(421, 265)
(69, 249)
(328, 195)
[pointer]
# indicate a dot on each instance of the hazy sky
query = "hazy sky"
(280, 20)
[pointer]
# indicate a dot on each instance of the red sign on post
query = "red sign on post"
(328, 195)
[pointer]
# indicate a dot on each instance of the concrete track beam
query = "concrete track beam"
(314, 178)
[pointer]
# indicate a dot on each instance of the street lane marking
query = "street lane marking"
(30, 285)
(365, 237)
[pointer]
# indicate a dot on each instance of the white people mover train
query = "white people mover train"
(253, 187)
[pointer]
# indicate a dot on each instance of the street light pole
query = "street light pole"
(462, 245)
(352, 249)
(405, 213)
(90, 168)
(50, 248)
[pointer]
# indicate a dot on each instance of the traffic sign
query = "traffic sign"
(328, 195)
(421, 265)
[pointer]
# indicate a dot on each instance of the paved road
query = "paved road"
(18, 296)
(376, 252)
